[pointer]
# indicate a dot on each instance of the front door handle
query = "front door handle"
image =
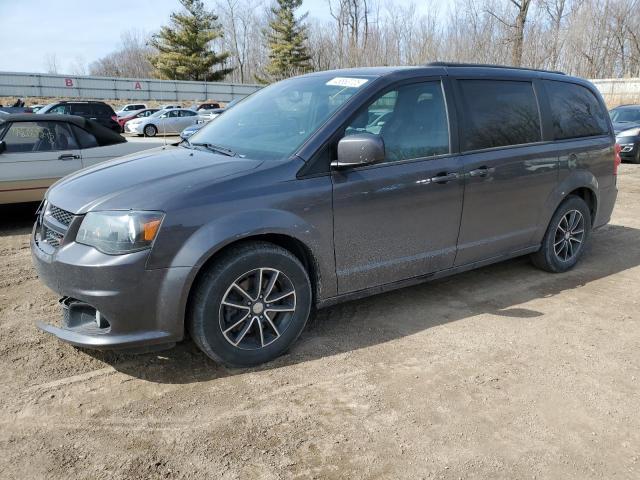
(444, 177)
(481, 172)
(68, 156)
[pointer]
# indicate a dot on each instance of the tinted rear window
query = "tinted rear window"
(83, 109)
(101, 110)
(498, 113)
(575, 111)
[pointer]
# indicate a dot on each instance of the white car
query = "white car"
(38, 149)
(169, 106)
(130, 108)
(162, 122)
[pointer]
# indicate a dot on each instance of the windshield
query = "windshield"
(625, 115)
(273, 122)
(158, 113)
(46, 108)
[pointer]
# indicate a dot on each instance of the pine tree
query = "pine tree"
(286, 38)
(184, 51)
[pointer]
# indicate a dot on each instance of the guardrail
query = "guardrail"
(23, 85)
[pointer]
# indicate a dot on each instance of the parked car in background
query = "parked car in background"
(16, 109)
(626, 124)
(162, 122)
(169, 106)
(136, 114)
(130, 108)
(36, 150)
(91, 110)
(190, 130)
(293, 200)
(204, 106)
(210, 114)
(35, 108)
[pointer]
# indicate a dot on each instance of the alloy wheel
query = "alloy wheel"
(257, 308)
(569, 235)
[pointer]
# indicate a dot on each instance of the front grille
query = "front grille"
(60, 215)
(52, 238)
(52, 226)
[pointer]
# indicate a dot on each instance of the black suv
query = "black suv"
(323, 188)
(93, 110)
(626, 125)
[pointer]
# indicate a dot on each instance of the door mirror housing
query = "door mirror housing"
(358, 150)
(3, 146)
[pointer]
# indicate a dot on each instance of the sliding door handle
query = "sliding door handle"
(481, 172)
(444, 177)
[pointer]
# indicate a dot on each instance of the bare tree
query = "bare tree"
(131, 59)
(51, 63)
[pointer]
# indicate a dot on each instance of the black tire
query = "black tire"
(636, 158)
(207, 316)
(150, 131)
(548, 258)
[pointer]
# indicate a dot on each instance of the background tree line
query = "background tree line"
(261, 40)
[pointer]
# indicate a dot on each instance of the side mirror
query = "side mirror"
(359, 149)
(3, 146)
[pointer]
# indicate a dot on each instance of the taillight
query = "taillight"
(616, 158)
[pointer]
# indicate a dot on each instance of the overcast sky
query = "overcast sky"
(85, 30)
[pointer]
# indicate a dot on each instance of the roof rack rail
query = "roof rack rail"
(487, 65)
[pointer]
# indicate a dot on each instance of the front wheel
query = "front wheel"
(250, 305)
(150, 131)
(566, 236)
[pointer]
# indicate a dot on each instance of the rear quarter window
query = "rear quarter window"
(575, 111)
(498, 113)
(101, 110)
(85, 139)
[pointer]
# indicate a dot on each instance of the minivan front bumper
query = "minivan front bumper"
(137, 307)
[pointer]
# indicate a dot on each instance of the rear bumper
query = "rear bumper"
(606, 202)
(139, 307)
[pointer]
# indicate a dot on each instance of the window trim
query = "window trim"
(460, 108)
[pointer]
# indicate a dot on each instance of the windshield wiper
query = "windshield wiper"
(216, 148)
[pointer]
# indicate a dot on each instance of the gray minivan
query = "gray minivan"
(323, 188)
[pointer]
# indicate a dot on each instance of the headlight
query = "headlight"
(119, 232)
(632, 132)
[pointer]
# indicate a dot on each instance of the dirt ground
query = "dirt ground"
(502, 373)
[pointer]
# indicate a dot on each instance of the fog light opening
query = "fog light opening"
(80, 315)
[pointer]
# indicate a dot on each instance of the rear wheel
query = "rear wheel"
(150, 131)
(636, 157)
(250, 305)
(566, 236)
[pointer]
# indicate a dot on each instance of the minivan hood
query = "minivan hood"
(145, 180)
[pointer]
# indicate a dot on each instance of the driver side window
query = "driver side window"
(412, 121)
(23, 137)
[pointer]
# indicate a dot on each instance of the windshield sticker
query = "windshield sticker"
(347, 82)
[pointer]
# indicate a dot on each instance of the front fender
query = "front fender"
(212, 237)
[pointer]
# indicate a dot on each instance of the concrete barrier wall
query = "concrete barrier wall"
(618, 91)
(13, 84)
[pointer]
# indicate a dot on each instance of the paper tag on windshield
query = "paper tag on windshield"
(347, 82)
